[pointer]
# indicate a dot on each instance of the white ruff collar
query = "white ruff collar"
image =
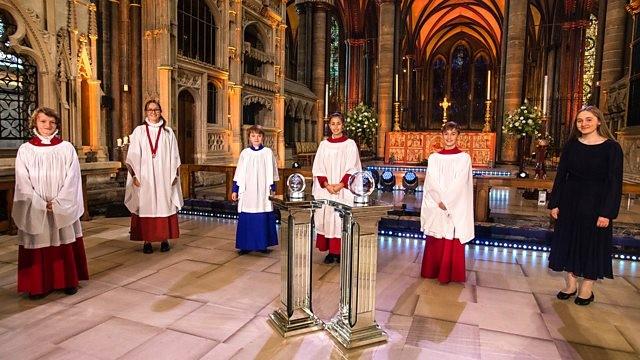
(45, 139)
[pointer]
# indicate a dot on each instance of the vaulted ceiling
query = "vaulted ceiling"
(430, 23)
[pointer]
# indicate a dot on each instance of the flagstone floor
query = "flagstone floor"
(203, 301)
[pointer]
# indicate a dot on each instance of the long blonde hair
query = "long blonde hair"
(603, 129)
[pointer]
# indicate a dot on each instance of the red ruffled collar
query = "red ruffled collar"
(455, 150)
(35, 141)
(342, 138)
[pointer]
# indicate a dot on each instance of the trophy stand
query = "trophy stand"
(295, 315)
(355, 323)
(541, 151)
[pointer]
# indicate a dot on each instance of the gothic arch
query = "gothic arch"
(29, 27)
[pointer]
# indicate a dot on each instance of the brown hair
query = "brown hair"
(154, 101)
(338, 115)
(450, 125)
(256, 129)
(48, 112)
(603, 129)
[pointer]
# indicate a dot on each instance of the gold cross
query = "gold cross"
(445, 105)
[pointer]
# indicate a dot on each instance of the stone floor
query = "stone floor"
(203, 301)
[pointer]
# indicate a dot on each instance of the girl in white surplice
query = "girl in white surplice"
(153, 193)
(446, 216)
(47, 206)
(336, 160)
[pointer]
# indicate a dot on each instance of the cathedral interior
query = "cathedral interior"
(218, 67)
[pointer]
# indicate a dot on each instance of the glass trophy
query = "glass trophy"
(361, 185)
(296, 185)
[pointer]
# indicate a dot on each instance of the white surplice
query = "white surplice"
(47, 174)
(256, 171)
(159, 194)
(333, 160)
(449, 180)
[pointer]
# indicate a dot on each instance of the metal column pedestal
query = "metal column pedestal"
(295, 315)
(355, 324)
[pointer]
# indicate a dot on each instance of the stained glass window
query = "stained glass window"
(589, 61)
(212, 93)
(438, 69)
(334, 58)
(480, 68)
(460, 75)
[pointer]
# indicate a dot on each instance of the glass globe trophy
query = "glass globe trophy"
(296, 186)
(361, 185)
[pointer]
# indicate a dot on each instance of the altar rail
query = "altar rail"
(483, 185)
(415, 147)
(187, 177)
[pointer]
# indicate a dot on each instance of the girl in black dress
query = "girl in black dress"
(585, 199)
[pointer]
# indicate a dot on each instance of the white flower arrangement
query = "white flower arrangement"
(362, 125)
(523, 121)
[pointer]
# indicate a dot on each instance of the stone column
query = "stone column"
(135, 85)
(304, 11)
(125, 73)
(234, 85)
(385, 71)
(278, 108)
(516, 34)
(235, 119)
(114, 27)
(613, 48)
(319, 65)
(355, 50)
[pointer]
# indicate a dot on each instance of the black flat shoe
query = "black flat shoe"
(564, 296)
(147, 248)
(71, 290)
(266, 251)
(164, 246)
(37, 296)
(583, 302)
(337, 258)
(243, 252)
(329, 259)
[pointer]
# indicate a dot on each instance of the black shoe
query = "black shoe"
(164, 246)
(147, 248)
(243, 252)
(266, 251)
(329, 259)
(71, 290)
(37, 296)
(337, 258)
(582, 302)
(564, 296)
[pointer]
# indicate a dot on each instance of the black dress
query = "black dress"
(588, 184)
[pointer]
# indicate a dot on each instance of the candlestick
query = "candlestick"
(489, 85)
(125, 140)
(326, 100)
(119, 142)
(397, 93)
(544, 96)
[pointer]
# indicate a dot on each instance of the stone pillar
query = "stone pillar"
(355, 52)
(114, 26)
(235, 119)
(304, 11)
(125, 73)
(234, 85)
(135, 85)
(516, 34)
(385, 71)
(319, 65)
(278, 108)
(613, 48)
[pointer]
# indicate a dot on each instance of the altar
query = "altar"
(415, 147)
